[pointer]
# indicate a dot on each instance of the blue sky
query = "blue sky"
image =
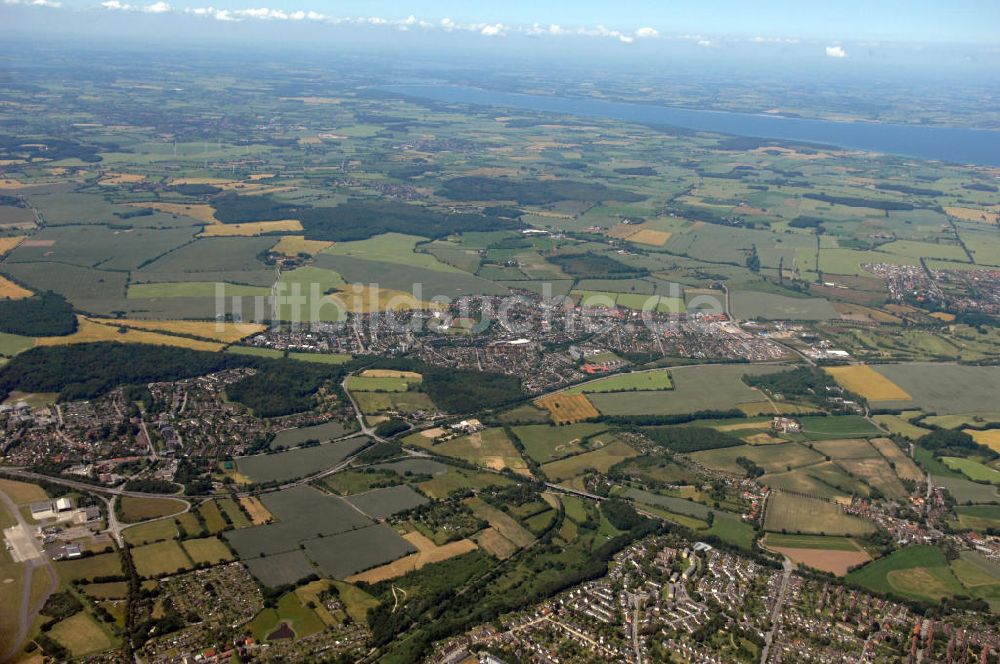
(969, 22)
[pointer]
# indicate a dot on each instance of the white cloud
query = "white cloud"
(775, 40)
(157, 8)
(647, 33)
(705, 42)
(34, 3)
(494, 30)
(835, 52)
(116, 5)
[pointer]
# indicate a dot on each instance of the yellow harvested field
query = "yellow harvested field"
(8, 243)
(943, 316)
(259, 514)
(197, 211)
(622, 231)
(990, 438)
(293, 245)
(89, 331)
(971, 214)
(651, 237)
(224, 332)
(261, 176)
(12, 184)
(862, 379)
(390, 373)
(211, 181)
(251, 229)
(11, 291)
(568, 408)
(366, 300)
(427, 553)
(111, 179)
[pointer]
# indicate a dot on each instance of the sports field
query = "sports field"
(862, 379)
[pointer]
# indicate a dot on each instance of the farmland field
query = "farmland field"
(658, 379)
(837, 426)
(300, 513)
(427, 553)
(601, 459)
(154, 531)
(210, 550)
(862, 379)
(829, 554)
(902, 464)
(749, 305)
(772, 458)
(916, 572)
(504, 524)
(990, 437)
(348, 553)
(300, 462)
(797, 514)
(944, 388)
(160, 558)
(81, 635)
(382, 503)
(320, 432)
(979, 517)
(568, 408)
(695, 388)
(973, 470)
(378, 384)
(105, 564)
(279, 569)
(140, 509)
(900, 426)
(490, 448)
(545, 443)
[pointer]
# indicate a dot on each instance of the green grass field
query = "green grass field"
(600, 459)
(972, 469)
(105, 564)
(160, 558)
(154, 531)
(545, 443)
(978, 517)
(290, 610)
(210, 550)
(658, 379)
(792, 513)
(377, 384)
(915, 572)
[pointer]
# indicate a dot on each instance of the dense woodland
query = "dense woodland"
(84, 371)
(532, 192)
(355, 219)
(690, 439)
(47, 314)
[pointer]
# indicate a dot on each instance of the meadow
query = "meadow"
(601, 460)
(545, 443)
(139, 509)
(321, 432)
(915, 572)
(792, 513)
(658, 379)
(696, 388)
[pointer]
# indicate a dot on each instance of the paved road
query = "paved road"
(779, 604)
(40, 561)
